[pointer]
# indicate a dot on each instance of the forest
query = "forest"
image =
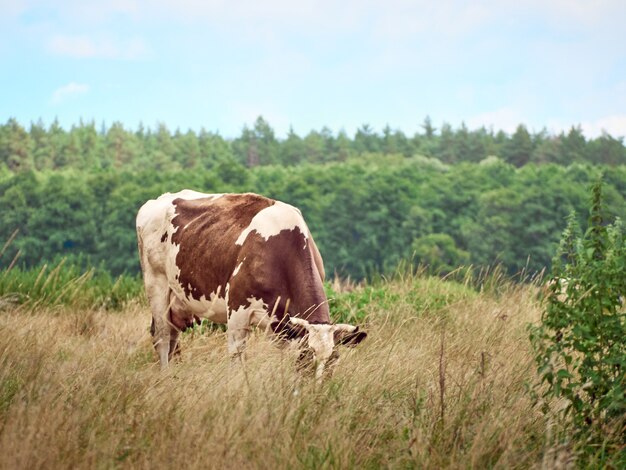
(442, 197)
(87, 146)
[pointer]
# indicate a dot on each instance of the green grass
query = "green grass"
(62, 285)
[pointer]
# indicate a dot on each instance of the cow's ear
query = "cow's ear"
(287, 329)
(348, 335)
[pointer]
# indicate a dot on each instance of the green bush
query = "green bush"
(580, 344)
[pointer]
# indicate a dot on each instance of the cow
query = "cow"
(237, 259)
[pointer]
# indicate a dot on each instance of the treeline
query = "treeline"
(87, 147)
(366, 213)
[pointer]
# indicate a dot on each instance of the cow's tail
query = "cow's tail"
(140, 248)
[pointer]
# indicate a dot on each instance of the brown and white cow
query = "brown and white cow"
(239, 259)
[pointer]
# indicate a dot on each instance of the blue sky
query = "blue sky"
(308, 64)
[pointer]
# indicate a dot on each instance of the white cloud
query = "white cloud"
(506, 119)
(583, 13)
(72, 46)
(386, 20)
(615, 125)
(78, 11)
(86, 47)
(71, 89)
(12, 8)
(406, 19)
(397, 23)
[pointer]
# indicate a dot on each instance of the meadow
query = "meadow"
(448, 377)
(442, 381)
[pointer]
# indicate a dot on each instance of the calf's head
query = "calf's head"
(319, 341)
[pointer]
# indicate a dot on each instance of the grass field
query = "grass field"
(441, 381)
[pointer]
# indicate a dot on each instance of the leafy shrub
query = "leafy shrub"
(580, 344)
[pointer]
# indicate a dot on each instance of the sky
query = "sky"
(305, 64)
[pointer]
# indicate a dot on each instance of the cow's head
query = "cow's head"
(319, 341)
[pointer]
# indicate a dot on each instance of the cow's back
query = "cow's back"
(204, 235)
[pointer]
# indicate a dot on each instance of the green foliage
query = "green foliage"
(580, 344)
(66, 285)
(205, 327)
(409, 289)
(429, 294)
(366, 213)
(85, 148)
(352, 306)
(439, 252)
(519, 149)
(370, 200)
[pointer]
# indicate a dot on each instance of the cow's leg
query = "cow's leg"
(179, 319)
(174, 349)
(238, 331)
(157, 291)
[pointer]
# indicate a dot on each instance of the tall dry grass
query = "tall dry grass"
(434, 385)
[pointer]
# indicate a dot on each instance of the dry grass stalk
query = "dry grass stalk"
(81, 389)
(9, 241)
